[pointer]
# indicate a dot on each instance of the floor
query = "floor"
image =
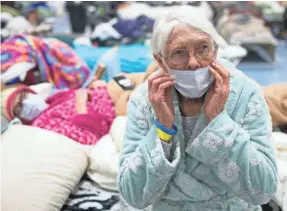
(268, 73)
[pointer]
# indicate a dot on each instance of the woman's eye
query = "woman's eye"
(17, 111)
(178, 52)
(204, 47)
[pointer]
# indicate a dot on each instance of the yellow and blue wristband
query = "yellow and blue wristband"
(163, 132)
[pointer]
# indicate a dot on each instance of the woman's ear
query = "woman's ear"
(160, 62)
(215, 55)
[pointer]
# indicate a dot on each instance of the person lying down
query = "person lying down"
(84, 115)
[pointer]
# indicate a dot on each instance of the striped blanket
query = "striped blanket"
(89, 196)
(56, 61)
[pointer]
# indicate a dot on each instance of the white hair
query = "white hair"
(165, 24)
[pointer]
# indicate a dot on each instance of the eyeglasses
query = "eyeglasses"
(202, 51)
(19, 105)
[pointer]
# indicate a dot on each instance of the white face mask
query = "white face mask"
(33, 105)
(192, 84)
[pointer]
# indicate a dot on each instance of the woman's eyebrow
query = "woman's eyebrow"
(178, 43)
(176, 47)
(203, 37)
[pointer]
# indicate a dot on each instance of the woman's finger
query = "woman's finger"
(157, 82)
(161, 92)
(158, 76)
(218, 78)
(154, 77)
(221, 71)
(165, 85)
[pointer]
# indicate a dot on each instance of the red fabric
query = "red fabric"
(86, 121)
(61, 116)
(59, 97)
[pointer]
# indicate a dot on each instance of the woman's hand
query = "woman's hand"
(217, 94)
(160, 96)
(82, 97)
(97, 84)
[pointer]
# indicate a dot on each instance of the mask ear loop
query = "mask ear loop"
(22, 97)
(164, 63)
(214, 58)
(215, 51)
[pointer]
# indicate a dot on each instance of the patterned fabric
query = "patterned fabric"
(188, 124)
(228, 164)
(57, 62)
(88, 196)
(60, 118)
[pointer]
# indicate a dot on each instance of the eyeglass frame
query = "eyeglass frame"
(188, 55)
(19, 105)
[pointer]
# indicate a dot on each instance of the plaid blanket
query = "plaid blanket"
(56, 61)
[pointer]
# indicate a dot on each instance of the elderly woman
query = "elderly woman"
(198, 135)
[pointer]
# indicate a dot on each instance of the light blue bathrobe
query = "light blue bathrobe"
(228, 164)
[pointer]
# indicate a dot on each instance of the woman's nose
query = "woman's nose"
(193, 63)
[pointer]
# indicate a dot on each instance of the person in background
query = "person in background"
(82, 115)
(198, 133)
(33, 17)
(277, 104)
(78, 15)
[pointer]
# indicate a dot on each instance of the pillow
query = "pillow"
(104, 163)
(117, 131)
(17, 70)
(4, 123)
(280, 141)
(7, 124)
(40, 168)
(43, 89)
(104, 156)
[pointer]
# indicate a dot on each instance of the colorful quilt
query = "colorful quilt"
(57, 62)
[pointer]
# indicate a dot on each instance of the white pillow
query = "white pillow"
(17, 70)
(104, 163)
(117, 131)
(280, 140)
(40, 168)
(104, 156)
(43, 89)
